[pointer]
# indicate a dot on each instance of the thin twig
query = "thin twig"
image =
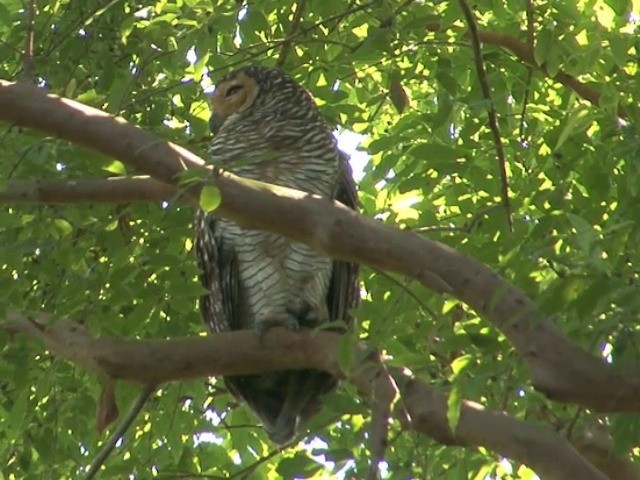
(527, 90)
(491, 112)
(110, 444)
(466, 228)
(288, 42)
(530, 28)
(408, 291)
(27, 55)
(388, 21)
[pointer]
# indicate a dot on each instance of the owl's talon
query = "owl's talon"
(287, 321)
(292, 324)
(306, 315)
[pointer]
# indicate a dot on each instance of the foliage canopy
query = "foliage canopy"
(403, 75)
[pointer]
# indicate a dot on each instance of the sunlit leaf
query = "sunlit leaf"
(454, 403)
(209, 198)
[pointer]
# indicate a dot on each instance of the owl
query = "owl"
(268, 128)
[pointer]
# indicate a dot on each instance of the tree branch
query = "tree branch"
(422, 408)
(295, 23)
(491, 111)
(595, 444)
(525, 54)
(560, 369)
(28, 74)
(114, 190)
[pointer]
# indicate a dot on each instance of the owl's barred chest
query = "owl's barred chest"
(307, 173)
(285, 157)
(276, 273)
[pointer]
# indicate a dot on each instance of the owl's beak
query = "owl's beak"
(215, 123)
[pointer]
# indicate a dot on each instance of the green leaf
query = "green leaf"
(544, 47)
(620, 7)
(116, 167)
(460, 364)
(620, 49)
(346, 346)
(454, 404)
(18, 415)
(209, 198)
(576, 119)
(586, 236)
(298, 466)
(437, 152)
(63, 226)
(625, 429)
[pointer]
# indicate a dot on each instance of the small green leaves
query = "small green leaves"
(298, 466)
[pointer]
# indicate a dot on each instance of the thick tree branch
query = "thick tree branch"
(152, 362)
(114, 190)
(560, 368)
(549, 452)
(595, 444)
(422, 409)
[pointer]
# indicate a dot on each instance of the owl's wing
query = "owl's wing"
(219, 276)
(344, 290)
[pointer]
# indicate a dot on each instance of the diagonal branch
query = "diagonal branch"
(560, 368)
(422, 409)
(525, 54)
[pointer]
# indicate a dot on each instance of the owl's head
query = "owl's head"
(258, 90)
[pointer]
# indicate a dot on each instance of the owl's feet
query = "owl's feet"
(285, 320)
(307, 315)
(299, 313)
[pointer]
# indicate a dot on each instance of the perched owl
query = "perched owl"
(268, 128)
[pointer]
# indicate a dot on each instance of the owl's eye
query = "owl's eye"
(233, 90)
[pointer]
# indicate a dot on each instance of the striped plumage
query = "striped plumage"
(269, 129)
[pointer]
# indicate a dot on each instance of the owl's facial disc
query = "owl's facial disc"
(232, 96)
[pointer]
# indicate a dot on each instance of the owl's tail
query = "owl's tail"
(283, 401)
(301, 402)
